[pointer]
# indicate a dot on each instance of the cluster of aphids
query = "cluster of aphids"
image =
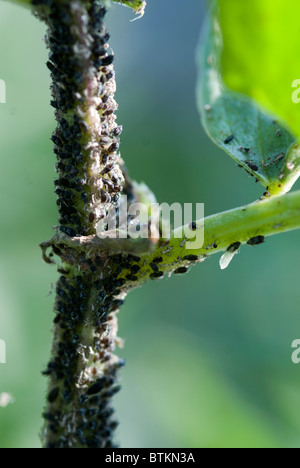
(91, 389)
(86, 140)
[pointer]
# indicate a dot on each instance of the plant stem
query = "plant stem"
(96, 276)
(83, 369)
(175, 255)
(263, 218)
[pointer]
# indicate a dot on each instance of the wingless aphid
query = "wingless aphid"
(252, 166)
(256, 240)
(229, 140)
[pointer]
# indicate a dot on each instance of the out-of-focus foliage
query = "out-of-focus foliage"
(261, 40)
(209, 354)
(20, 2)
(236, 33)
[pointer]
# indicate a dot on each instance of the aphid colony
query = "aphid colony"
(86, 140)
(252, 165)
(85, 377)
(158, 272)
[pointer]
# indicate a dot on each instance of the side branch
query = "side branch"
(142, 260)
(264, 218)
(239, 226)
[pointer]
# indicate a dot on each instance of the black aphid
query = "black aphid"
(158, 260)
(157, 275)
(228, 140)
(135, 269)
(234, 247)
(191, 258)
(52, 397)
(181, 271)
(107, 60)
(256, 240)
(132, 278)
(154, 267)
(252, 166)
(95, 388)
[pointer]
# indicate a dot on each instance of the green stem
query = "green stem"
(26, 3)
(175, 255)
(263, 218)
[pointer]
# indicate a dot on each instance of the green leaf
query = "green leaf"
(261, 50)
(138, 6)
(21, 2)
(240, 90)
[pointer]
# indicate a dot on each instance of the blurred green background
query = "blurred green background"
(209, 354)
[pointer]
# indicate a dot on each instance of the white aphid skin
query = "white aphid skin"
(226, 259)
(228, 256)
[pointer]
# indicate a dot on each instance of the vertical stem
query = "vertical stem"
(83, 369)
(87, 138)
